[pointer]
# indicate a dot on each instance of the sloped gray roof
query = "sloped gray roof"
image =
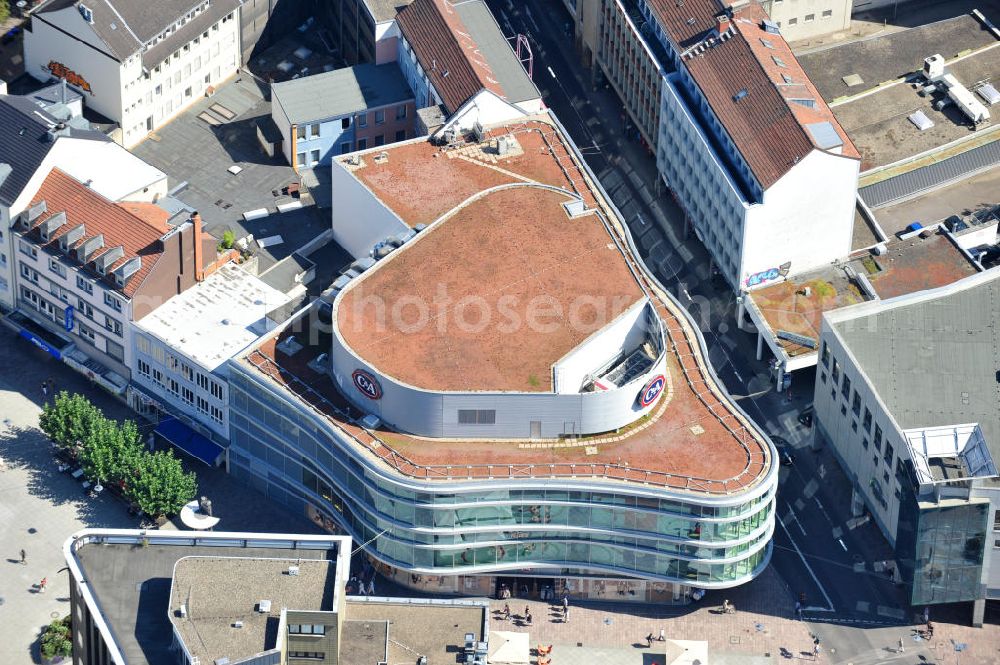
(341, 92)
(125, 26)
(934, 357)
(25, 141)
(385, 10)
(497, 51)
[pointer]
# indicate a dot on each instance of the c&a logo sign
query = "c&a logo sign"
(367, 384)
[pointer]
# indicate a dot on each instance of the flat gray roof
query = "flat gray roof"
(385, 10)
(933, 357)
(432, 628)
(132, 585)
(497, 51)
(217, 592)
(341, 92)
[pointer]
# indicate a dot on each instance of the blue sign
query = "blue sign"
(68, 319)
(769, 275)
(40, 343)
(652, 390)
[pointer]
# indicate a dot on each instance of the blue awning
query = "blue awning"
(40, 343)
(190, 441)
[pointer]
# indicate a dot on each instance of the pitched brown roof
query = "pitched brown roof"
(686, 20)
(447, 52)
(745, 86)
(82, 205)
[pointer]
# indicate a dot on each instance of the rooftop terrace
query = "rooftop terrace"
(693, 441)
(909, 266)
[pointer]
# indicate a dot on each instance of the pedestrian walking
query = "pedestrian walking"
(927, 615)
(565, 601)
(371, 586)
(24, 557)
(41, 585)
(566, 614)
(798, 610)
(901, 648)
(45, 389)
(663, 635)
(816, 651)
(649, 641)
(527, 617)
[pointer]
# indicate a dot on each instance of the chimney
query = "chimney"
(199, 262)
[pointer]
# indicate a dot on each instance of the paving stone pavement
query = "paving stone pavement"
(761, 625)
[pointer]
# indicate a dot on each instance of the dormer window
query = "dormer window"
(87, 14)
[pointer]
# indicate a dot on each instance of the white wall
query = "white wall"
(790, 227)
(624, 333)
(486, 109)
(793, 17)
(359, 219)
(87, 56)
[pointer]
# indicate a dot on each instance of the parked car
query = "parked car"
(784, 450)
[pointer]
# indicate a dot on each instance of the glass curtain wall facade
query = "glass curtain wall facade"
(284, 449)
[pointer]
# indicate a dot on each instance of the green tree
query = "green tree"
(4, 10)
(69, 419)
(112, 451)
(57, 640)
(160, 486)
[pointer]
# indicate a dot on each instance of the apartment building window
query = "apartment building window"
(187, 372)
(300, 132)
(143, 367)
(202, 381)
(362, 144)
(57, 267)
(345, 148)
(846, 387)
(864, 443)
(867, 422)
(888, 453)
(113, 326)
(401, 135)
(87, 334)
(793, 21)
(142, 344)
(380, 140)
(778, 61)
(115, 350)
(379, 117)
(157, 376)
(216, 390)
(810, 18)
(314, 157)
(112, 302)
(401, 112)
(856, 404)
(314, 131)
(877, 438)
(300, 158)
(836, 372)
(217, 414)
(187, 395)
(363, 120)
(345, 123)
(827, 13)
(29, 274)
(202, 405)
(308, 655)
(306, 629)
(29, 249)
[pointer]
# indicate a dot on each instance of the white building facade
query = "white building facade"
(137, 72)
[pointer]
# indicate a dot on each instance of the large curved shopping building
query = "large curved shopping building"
(504, 394)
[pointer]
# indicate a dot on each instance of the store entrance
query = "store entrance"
(528, 588)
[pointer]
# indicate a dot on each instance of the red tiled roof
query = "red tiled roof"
(446, 51)
(745, 88)
(150, 213)
(81, 204)
(685, 20)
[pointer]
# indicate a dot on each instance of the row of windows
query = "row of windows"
(306, 629)
(174, 364)
(310, 655)
(808, 18)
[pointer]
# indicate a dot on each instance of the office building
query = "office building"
(139, 65)
(341, 111)
(906, 397)
(167, 597)
(743, 141)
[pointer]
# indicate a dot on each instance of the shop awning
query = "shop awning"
(190, 441)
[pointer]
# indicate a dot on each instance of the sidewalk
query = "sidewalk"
(762, 624)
